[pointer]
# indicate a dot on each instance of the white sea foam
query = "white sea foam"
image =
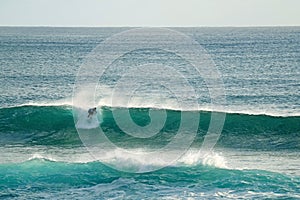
(42, 157)
(136, 162)
(85, 122)
(62, 102)
(194, 157)
(171, 105)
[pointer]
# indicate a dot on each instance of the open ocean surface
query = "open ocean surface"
(256, 157)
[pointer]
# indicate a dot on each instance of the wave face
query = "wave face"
(54, 125)
(43, 125)
(67, 180)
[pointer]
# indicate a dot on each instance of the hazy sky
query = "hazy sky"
(149, 12)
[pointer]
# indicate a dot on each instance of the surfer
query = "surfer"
(91, 112)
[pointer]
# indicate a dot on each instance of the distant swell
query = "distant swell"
(54, 125)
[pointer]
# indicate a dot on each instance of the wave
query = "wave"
(96, 180)
(228, 110)
(54, 125)
(37, 125)
(190, 158)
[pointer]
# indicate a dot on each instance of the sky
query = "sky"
(143, 13)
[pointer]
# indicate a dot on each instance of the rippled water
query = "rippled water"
(256, 156)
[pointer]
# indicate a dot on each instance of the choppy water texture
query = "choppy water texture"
(256, 157)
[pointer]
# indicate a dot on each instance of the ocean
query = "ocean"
(50, 149)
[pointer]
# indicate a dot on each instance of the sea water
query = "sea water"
(256, 157)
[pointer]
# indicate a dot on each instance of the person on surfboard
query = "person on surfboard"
(91, 112)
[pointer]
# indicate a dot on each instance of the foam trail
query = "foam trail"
(85, 122)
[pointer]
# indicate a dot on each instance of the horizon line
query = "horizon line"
(168, 26)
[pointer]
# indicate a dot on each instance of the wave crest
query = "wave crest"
(54, 125)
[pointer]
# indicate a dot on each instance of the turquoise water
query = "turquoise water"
(256, 157)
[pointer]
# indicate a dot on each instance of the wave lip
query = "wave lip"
(67, 103)
(41, 157)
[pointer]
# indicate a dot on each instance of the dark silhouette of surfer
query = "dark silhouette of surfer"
(91, 112)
